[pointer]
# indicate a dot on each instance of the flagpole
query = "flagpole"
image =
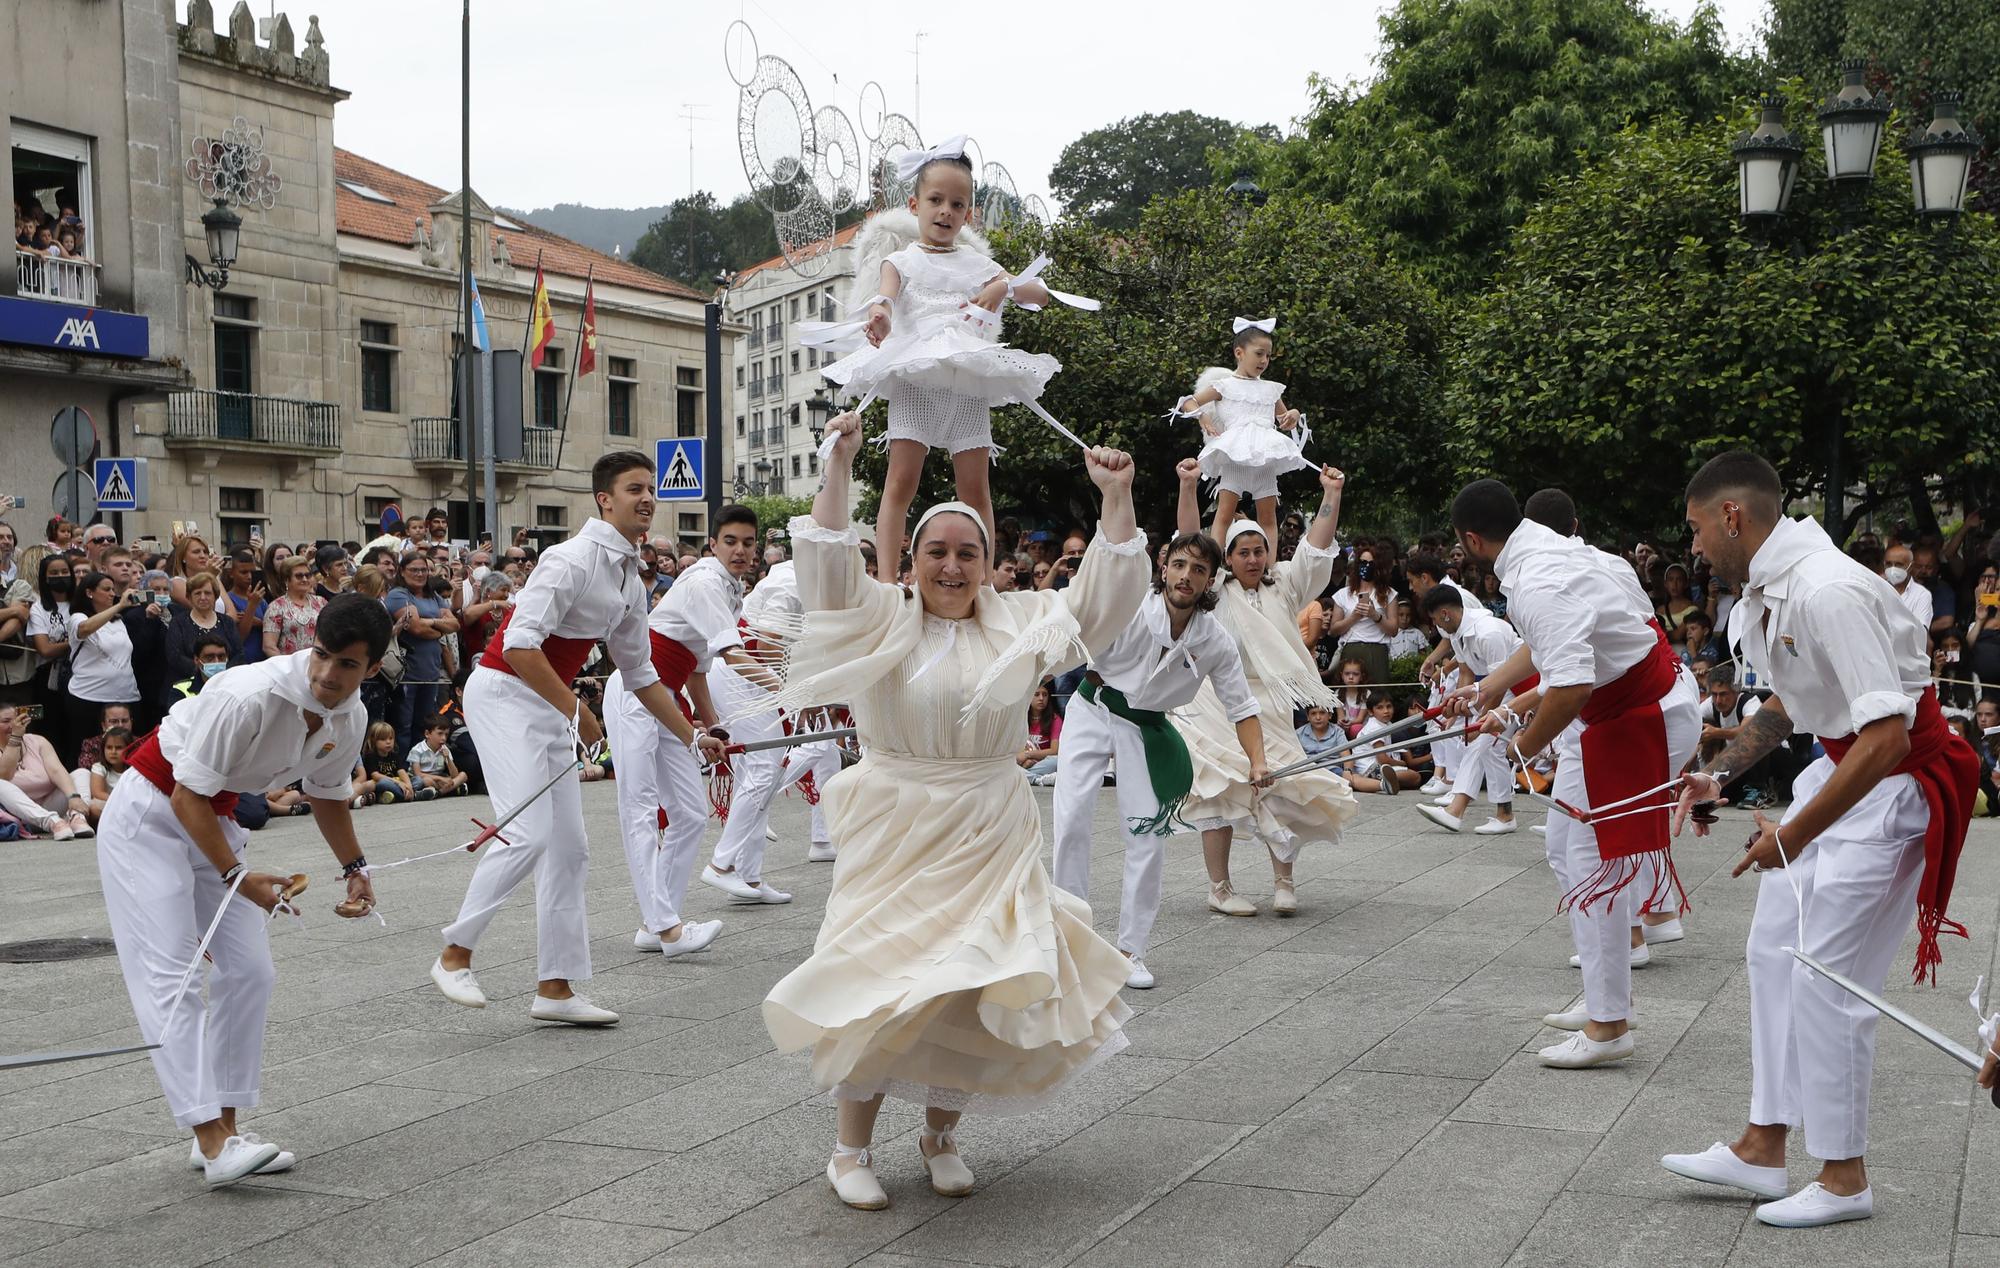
(562, 436)
(465, 352)
(528, 335)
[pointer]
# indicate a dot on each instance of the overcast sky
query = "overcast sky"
(582, 102)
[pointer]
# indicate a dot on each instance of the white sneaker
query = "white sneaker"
(1433, 786)
(58, 827)
(574, 1011)
(1540, 829)
(696, 935)
(1574, 1019)
(770, 834)
(1497, 827)
(1642, 955)
(1138, 976)
(237, 1159)
(763, 892)
(1718, 1164)
(1580, 1051)
(1667, 931)
(1442, 818)
(1813, 1206)
(284, 1161)
(458, 985)
(821, 852)
(1443, 798)
(857, 1185)
(729, 883)
(645, 940)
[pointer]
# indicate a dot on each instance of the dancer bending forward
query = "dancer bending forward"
(948, 970)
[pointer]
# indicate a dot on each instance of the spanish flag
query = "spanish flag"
(541, 322)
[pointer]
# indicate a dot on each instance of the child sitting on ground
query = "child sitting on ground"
(431, 763)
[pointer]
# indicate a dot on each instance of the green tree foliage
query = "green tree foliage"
(699, 237)
(1479, 105)
(1359, 347)
(1637, 329)
(1914, 51)
(1109, 174)
(775, 510)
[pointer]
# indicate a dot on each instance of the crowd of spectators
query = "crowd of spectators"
(39, 231)
(98, 640)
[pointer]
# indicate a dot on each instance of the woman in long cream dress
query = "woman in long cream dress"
(948, 970)
(1260, 602)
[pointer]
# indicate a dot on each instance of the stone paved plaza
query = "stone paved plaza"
(1353, 1086)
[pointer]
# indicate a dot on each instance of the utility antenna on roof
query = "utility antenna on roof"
(917, 75)
(690, 115)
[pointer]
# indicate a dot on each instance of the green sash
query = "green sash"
(1168, 765)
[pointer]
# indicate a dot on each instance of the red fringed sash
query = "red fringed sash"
(1624, 748)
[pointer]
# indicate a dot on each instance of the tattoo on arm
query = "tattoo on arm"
(1323, 512)
(1761, 732)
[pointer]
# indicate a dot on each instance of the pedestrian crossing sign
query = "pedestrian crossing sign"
(120, 483)
(678, 462)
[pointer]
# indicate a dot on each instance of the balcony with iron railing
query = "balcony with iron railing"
(51, 277)
(200, 416)
(434, 442)
(775, 385)
(756, 336)
(775, 332)
(756, 389)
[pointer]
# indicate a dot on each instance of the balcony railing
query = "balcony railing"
(202, 416)
(756, 389)
(756, 336)
(775, 332)
(436, 441)
(48, 277)
(775, 385)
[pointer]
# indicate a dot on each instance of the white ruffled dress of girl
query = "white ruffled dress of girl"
(1249, 453)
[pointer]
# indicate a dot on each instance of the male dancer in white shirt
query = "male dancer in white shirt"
(1481, 642)
(1120, 711)
(738, 697)
(1604, 663)
(774, 615)
(1427, 573)
(167, 852)
(1872, 836)
(526, 722)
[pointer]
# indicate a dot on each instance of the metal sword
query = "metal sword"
(1346, 745)
(793, 740)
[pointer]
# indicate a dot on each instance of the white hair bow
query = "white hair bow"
(910, 162)
(1268, 325)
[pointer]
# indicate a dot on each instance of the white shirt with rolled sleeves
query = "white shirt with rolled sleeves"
(1153, 670)
(1835, 641)
(776, 595)
(1841, 650)
(700, 612)
(588, 587)
(1583, 625)
(246, 733)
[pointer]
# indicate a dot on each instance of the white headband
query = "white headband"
(956, 508)
(910, 162)
(1241, 527)
(1268, 325)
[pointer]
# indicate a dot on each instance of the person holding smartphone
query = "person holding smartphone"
(101, 655)
(1982, 634)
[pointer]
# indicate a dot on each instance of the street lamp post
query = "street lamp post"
(223, 229)
(1851, 124)
(1941, 161)
(819, 406)
(1767, 164)
(1245, 196)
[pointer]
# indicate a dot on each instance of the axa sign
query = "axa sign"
(68, 328)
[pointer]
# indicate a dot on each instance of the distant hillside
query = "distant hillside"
(601, 228)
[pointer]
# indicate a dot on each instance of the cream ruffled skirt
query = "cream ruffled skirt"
(1307, 807)
(949, 971)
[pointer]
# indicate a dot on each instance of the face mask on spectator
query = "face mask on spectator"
(212, 668)
(479, 574)
(1895, 576)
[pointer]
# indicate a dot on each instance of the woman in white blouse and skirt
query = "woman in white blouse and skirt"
(948, 970)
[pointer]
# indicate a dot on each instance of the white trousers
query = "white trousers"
(1092, 738)
(161, 892)
(820, 760)
(1603, 935)
(1812, 1045)
(29, 811)
(522, 741)
(655, 772)
(754, 775)
(1484, 766)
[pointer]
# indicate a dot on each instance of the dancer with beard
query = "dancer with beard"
(1119, 711)
(1258, 604)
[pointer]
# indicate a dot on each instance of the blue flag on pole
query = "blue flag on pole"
(481, 341)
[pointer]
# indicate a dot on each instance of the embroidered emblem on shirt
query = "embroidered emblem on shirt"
(1786, 639)
(326, 748)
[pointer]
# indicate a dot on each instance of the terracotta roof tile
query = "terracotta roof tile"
(411, 199)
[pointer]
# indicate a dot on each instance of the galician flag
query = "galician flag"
(481, 341)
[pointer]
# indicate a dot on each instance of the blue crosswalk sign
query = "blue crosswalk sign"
(120, 483)
(678, 463)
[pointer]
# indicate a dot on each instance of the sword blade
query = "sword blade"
(1345, 746)
(27, 1059)
(795, 739)
(1929, 1034)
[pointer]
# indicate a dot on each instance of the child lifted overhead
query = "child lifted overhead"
(1241, 412)
(927, 297)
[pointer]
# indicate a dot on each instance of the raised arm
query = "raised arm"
(1327, 519)
(1112, 580)
(1187, 514)
(830, 570)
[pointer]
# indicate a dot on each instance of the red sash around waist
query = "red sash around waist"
(1947, 771)
(152, 764)
(1625, 752)
(673, 662)
(566, 655)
